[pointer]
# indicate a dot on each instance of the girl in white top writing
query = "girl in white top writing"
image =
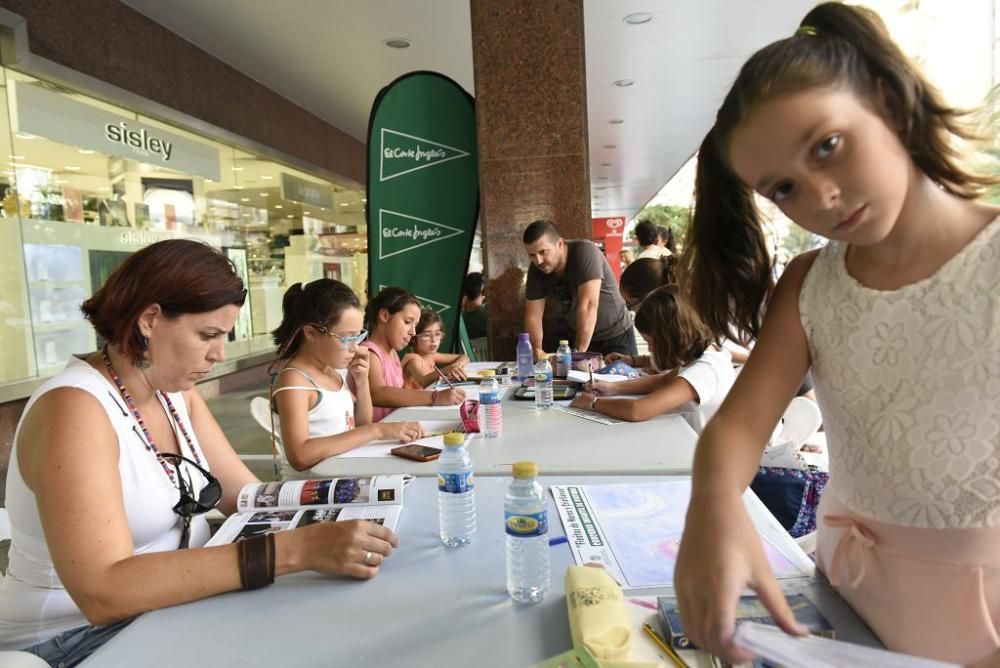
(701, 373)
(321, 327)
(898, 318)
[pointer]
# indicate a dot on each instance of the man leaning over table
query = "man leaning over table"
(577, 273)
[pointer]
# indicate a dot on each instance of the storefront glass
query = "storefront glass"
(87, 183)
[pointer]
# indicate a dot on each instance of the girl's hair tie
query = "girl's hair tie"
(807, 30)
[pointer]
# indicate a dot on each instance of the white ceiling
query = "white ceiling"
(328, 56)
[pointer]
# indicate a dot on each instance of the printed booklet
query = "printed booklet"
(263, 508)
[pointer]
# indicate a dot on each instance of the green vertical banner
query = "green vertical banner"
(423, 191)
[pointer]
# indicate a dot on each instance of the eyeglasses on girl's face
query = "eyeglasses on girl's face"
(348, 341)
(431, 336)
(187, 506)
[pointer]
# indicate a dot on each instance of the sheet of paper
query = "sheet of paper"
(584, 377)
(587, 415)
(382, 448)
(633, 530)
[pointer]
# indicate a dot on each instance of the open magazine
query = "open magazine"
(269, 507)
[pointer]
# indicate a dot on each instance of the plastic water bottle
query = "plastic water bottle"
(564, 359)
(527, 526)
(543, 383)
(525, 357)
(456, 492)
(490, 409)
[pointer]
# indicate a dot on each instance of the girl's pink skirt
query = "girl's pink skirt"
(928, 592)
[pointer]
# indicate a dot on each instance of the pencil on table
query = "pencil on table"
(667, 649)
(444, 378)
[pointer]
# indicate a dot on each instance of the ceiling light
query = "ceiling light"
(343, 204)
(25, 135)
(72, 168)
(267, 177)
(289, 216)
(85, 151)
(638, 18)
(610, 146)
(616, 121)
(622, 83)
(238, 169)
(238, 187)
(265, 194)
(244, 199)
(16, 157)
(277, 206)
(397, 43)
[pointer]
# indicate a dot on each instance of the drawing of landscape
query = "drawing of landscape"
(643, 523)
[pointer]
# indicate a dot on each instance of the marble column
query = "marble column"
(531, 112)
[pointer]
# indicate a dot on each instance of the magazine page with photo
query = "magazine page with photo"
(264, 508)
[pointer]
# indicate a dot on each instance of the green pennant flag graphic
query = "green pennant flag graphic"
(423, 191)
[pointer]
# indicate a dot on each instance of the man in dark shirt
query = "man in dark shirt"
(577, 273)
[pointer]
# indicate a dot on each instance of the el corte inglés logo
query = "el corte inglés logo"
(400, 232)
(401, 153)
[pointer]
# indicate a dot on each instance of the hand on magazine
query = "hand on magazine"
(355, 548)
(721, 554)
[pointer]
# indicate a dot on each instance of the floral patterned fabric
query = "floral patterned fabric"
(909, 384)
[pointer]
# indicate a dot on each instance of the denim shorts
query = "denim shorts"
(71, 647)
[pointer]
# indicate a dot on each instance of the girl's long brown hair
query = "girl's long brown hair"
(679, 335)
(726, 265)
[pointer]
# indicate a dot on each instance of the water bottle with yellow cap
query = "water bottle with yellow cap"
(527, 526)
(456, 492)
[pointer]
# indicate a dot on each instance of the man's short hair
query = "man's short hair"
(539, 229)
(646, 233)
(472, 285)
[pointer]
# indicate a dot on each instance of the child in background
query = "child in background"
(898, 318)
(678, 340)
(638, 280)
(392, 316)
(317, 341)
(420, 365)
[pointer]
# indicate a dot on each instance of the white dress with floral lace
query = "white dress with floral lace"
(909, 384)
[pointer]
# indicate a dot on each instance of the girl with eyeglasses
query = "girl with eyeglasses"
(392, 316)
(318, 349)
(420, 366)
(115, 457)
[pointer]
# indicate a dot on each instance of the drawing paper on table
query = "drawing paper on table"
(382, 448)
(634, 530)
(584, 377)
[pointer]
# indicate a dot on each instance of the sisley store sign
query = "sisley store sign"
(57, 116)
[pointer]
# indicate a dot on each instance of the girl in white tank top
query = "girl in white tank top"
(321, 327)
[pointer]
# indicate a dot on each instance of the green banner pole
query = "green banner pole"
(423, 191)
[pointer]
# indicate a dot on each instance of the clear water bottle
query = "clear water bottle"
(527, 526)
(490, 409)
(456, 492)
(543, 383)
(525, 357)
(564, 359)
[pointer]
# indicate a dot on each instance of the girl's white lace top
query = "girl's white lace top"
(909, 384)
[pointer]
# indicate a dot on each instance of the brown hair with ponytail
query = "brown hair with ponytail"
(726, 266)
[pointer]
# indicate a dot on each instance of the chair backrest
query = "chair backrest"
(802, 419)
(465, 345)
(260, 409)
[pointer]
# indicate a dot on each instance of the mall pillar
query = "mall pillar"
(531, 113)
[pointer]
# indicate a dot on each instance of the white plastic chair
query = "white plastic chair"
(801, 420)
(21, 660)
(260, 409)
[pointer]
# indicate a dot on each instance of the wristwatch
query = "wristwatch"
(593, 402)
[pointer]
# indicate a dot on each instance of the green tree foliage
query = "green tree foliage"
(799, 241)
(674, 217)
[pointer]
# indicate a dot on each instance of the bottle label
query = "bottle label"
(525, 526)
(543, 376)
(456, 483)
(489, 398)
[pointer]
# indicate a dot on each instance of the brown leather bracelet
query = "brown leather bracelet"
(256, 561)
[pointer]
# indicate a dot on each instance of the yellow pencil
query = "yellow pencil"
(667, 649)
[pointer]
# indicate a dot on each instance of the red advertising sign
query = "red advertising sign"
(609, 231)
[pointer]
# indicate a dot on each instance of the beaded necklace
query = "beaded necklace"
(130, 402)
